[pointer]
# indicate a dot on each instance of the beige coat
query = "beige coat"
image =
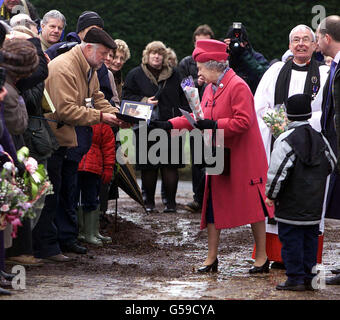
(68, 87)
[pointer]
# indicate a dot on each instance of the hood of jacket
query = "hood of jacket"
(307, 144)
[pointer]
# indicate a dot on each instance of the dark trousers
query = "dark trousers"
(45, 233)
(299, 251)
(89, 185)
(2, 251)
(198, 177)
(22, 244)
(66, 217)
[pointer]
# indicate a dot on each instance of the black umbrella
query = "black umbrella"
(125, 179)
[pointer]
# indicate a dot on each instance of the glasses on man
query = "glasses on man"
(305, 40)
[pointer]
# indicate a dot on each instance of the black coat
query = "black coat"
(40, 74)
(329, 130)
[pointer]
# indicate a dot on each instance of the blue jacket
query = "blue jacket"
(84, 133)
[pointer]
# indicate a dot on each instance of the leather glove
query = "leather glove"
(21, 168)
(165, 125)
(107, 176)
(206, 124)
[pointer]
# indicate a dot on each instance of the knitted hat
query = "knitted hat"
(87, 19)
(96, 35)
(209, 49)
(20, 58)
(299, 107)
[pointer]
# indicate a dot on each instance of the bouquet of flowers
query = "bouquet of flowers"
(276, 120)
(19, 194)
(192, 95)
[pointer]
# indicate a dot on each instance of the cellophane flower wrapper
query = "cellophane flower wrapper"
(276, 119)
(19, 194)
(192, 95)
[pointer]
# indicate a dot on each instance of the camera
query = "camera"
(236, 37)
(2, 77)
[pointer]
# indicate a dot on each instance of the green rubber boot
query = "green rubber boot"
(80, 215)
(96, 231)
(90, 224)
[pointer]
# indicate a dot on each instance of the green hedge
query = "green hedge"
(173, 21)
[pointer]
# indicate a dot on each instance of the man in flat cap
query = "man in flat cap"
(73, 87)
(66, 220)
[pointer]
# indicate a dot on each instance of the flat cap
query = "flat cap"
(96, 35)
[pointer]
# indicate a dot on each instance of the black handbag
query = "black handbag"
(39, 138)
(206, 153)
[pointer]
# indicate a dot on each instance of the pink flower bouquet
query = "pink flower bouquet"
(19, 194)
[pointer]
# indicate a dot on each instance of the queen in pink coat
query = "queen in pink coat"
(238, 198)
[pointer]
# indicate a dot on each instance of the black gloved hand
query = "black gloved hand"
(166, 125)
(206, 124)
(21, 168)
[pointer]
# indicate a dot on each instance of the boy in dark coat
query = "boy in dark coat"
(300, 163)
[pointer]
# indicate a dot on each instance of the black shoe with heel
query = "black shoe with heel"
(262, 269)
(7, 276)
(211, 267)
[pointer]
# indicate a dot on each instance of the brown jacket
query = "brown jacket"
(68, 87)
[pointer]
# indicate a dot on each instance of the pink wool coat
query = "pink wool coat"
(236, 198)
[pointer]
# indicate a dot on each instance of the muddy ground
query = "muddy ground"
(155, 257)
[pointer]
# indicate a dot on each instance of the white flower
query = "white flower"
(8, 166)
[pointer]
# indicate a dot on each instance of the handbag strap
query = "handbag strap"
(60, 124)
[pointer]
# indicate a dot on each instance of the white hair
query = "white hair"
(216, 65)
(301, 27)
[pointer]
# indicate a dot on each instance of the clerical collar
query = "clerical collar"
(300, 66)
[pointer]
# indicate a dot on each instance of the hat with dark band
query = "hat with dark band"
(96, 35)
(209, 49)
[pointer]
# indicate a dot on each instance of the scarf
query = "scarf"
(312, 84)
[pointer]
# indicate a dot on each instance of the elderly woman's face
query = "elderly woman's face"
(208, 75)
(155, 59)
(118, 61)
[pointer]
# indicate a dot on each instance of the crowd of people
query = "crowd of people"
(60, 99)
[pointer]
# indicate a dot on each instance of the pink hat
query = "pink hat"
(209, 49)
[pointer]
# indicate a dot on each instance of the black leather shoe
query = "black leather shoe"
(309, 285)
(4, 292)
(334, 280)
(7, 276)
(290, 286)
(262, 269)
(211, 267)
(335, 271)
(74, 247)
(150, 209)
(169, 209)
(277, 265)
(5, 284)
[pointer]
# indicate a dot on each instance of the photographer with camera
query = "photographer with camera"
(243, 59)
